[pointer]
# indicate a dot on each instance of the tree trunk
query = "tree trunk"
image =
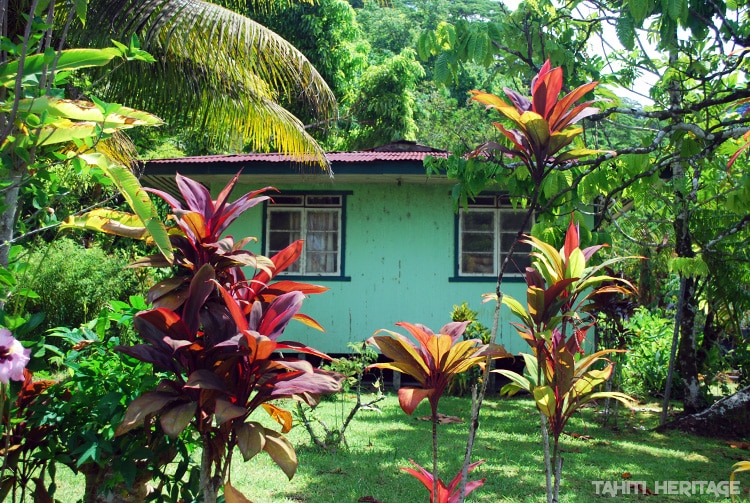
(687, 355)
(209, 483)
(683, 191)
(729, 418)
(8, 216)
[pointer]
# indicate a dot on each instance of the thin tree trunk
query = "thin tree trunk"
(477, 404)
(686, 355)
(434, 498)
(8, 216)
(209, 484)
(547, 458)
(672, 356)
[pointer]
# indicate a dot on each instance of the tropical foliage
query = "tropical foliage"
(553, 322)
(215, 334)
(543, 122)
(434, 360)
(685, 127)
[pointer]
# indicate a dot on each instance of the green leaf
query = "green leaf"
(517, 309)
(531, 367)
(544, 397)
(70, 59)
(692, 267)
(442, 69)
(576, 264)
(640, 10)
(625, 29)
(425, 45)
(110, 116)
(519, 381)
(81, 9)
(138, 200)
(7, 278)
(108, 221)
(674, 8)
(90, 454)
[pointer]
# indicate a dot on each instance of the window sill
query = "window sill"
(486, 279)
(312, 277)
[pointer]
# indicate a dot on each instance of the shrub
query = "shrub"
(74, 283)
(463, 382)
(645, 365)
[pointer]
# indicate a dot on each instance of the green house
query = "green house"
(380, 234)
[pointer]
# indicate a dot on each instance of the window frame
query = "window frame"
(496, 204)
(303, 207)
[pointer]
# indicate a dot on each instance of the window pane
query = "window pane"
(322, 241)
(324, 200)
(284, 228)
(478, 242)
(510, 222)
(287, 200)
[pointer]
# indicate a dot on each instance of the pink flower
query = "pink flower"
(13, 357)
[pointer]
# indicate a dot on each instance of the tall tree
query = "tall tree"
(215, 71)
(693, 78)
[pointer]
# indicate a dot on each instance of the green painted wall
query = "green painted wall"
(399, 253)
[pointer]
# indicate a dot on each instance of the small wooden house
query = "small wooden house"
(380, 234)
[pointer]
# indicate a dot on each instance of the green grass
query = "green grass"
(379, 444)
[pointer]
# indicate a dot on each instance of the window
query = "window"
(485, 234)
(316, 219)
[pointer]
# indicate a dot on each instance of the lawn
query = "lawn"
(380, 443)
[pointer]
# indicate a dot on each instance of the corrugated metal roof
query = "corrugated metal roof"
(362, 156)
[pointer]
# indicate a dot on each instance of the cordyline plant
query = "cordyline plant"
(434, 360)
(542, 122)
(216, 334)
(554, 323)
(544, 128)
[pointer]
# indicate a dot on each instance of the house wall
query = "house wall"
(399, 254)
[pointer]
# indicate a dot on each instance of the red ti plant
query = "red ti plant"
(433, 360)
(542, 122)
(215, 334)
(444, 494)
(559, 376)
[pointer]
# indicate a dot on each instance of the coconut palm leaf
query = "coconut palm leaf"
(216, 70)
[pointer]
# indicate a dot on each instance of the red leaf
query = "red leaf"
(572, 240)
(409, 398)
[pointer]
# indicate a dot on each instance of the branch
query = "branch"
(737, 227)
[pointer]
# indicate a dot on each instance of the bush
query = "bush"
(463, 382)
(649, 341)
(74, 283)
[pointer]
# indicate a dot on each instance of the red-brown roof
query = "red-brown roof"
(417, 153)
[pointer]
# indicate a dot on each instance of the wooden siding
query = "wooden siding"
(399, 257)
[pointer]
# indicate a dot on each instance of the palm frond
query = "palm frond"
(215, 68)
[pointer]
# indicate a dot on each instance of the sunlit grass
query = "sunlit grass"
(509, 441)
(379, 444)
